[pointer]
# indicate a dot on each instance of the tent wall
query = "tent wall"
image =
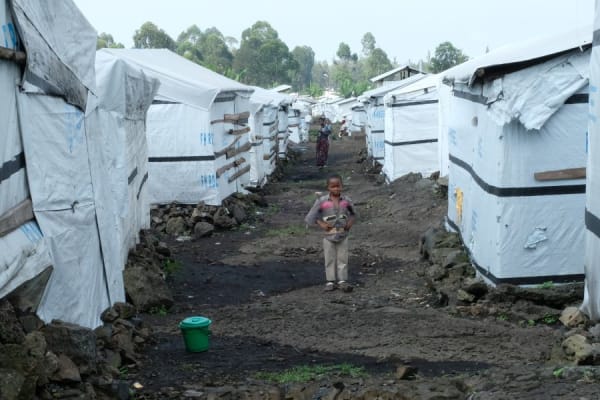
(411, 134)
(58, 170)
(24, 252)
(591, 301)
(269, 135)
(375, 129)
(294, 124)
(283, 134)
(444, 113)
(359, 119)
(257, 173)
(517, 229)
(119, 165)
(181, 159)
(232, 143)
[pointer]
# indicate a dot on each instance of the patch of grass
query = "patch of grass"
(503, 317)
(550, 319)
(243, 227)
(291, 230)
(530, 322)
(546, 285)
(171, 266)
(273, 209)
(306, 373)
(159, 310)
(123, 372)
(558, 372)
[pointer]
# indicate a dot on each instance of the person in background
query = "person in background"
(334, 214)
(343, 129)
(323, 143)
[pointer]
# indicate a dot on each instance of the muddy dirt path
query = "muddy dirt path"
(262, 286)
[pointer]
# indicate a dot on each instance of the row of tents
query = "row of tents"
(512, 130)
(92, 139)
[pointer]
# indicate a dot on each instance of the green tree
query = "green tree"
(106, 40)
(344, 52)
(208, 48)
(305, 57)
(215, 52)
(377, 63)
(368, 44)
(320, 74)
(263, 59)
(149, 36)
(188, 44)
(446, 56)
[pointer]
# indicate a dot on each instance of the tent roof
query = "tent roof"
(263, 97)
(392, 72)
(281, 88)
(123, 88)
(519, 55)
(345, 101)
(381, 91)
(181, 80)
(429, 81)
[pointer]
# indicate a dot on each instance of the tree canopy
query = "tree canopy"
(446, 56)
(149, 36)
(106, 40)
(261, 58)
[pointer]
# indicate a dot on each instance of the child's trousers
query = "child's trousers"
(336, 260)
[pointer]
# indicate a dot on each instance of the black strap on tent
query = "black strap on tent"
(596, 38)
(472, 97)
(414, 103)
(181, 159)
(409, 142)
(592, 223)
(518, 191)
(11, 167)
(144, 179)
(132, 176)
(578, 98)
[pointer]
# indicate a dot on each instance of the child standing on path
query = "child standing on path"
(334, 213)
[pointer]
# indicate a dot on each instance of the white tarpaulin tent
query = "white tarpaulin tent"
(591, 300)
(359, 117)
(518, 124)
(343, 109)
(411, 129)
(117, 130)
(197, 129)
(65, 158)
(444, 112)
(304, 104)
(294, 117)
(375, 126)
(264, 107)
(24, 252)
(283, 134)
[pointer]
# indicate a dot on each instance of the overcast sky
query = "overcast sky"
(403, 29)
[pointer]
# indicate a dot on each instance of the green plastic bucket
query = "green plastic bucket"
(196, 332)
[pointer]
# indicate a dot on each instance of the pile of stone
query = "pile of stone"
(453, 282)
(145, 276)
(580, 345)
(61, 360)
(195, 221)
